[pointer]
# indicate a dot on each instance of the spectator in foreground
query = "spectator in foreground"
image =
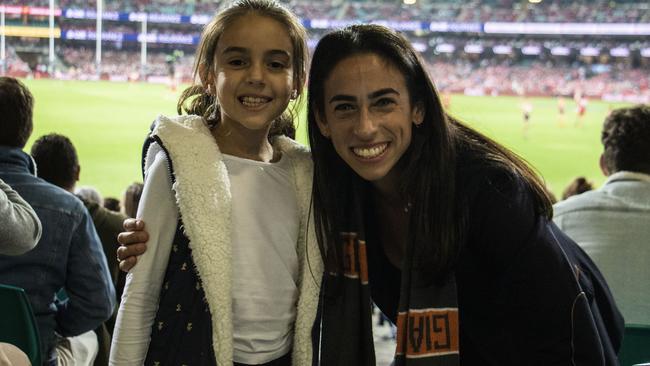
(58, 163)
(12, 355)
(69, 254)
(612, 223)
(20, 230)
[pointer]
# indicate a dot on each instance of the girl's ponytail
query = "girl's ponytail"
(283, 125)
(202, 104)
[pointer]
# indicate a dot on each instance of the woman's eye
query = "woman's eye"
(384, 102)
(344, 107)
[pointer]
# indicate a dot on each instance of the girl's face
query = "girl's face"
(253, 72)
(368, 115)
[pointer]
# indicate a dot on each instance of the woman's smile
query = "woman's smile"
(368, 115)
(370, 152)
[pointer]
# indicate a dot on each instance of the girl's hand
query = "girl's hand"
(133, 243)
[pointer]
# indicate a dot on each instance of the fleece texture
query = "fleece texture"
(202, 191)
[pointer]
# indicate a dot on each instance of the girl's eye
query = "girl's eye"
(236, 62)
(277, 65)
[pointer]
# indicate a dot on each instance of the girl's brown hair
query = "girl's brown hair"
(195, 99)
(132, 199)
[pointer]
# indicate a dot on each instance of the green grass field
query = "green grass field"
(107, 122)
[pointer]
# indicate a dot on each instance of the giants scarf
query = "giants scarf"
(427, 322)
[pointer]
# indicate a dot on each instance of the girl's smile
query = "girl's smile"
(254, 72)
(253, 102)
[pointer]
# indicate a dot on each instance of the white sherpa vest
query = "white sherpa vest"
(202, 191)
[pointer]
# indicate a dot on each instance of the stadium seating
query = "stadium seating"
(17, 322)
(636, 345)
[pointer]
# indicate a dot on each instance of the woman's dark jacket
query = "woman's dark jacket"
(526, 293)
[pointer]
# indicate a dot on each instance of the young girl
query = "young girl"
(448, 232)
(228, 274)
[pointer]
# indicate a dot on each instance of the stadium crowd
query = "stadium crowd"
(481, 73)
(537, 79)
(474, 76)
(121, 65)
(599, 11)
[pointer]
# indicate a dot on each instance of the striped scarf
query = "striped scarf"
(427, 321)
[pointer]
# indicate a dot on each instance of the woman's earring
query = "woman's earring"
(207, 89)
(294, 94)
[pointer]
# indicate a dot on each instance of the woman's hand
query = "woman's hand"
(132, 243)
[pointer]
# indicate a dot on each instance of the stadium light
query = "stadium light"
(560, 51)
(419, 46)
(502, 49)
(143, 49)
(410, 2)
(51, 38)
(534, 1)
(620, 52)
(98, 38)
(531, 50)
(589, 51)
(445, 48)
(473, 48)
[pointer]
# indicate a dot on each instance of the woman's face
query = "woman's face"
(368, 115)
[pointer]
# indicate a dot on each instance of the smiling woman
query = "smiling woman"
(448, 232)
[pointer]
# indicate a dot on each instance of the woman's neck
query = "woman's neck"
(392, 215)
(387, 189)
(392, 202)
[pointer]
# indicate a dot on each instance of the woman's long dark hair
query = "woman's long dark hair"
(428, 177)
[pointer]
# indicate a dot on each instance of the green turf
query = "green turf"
(558, 152)
(107, 122)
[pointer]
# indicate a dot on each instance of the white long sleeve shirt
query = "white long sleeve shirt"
(205, 192)
(265, 285)
(20, 228)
